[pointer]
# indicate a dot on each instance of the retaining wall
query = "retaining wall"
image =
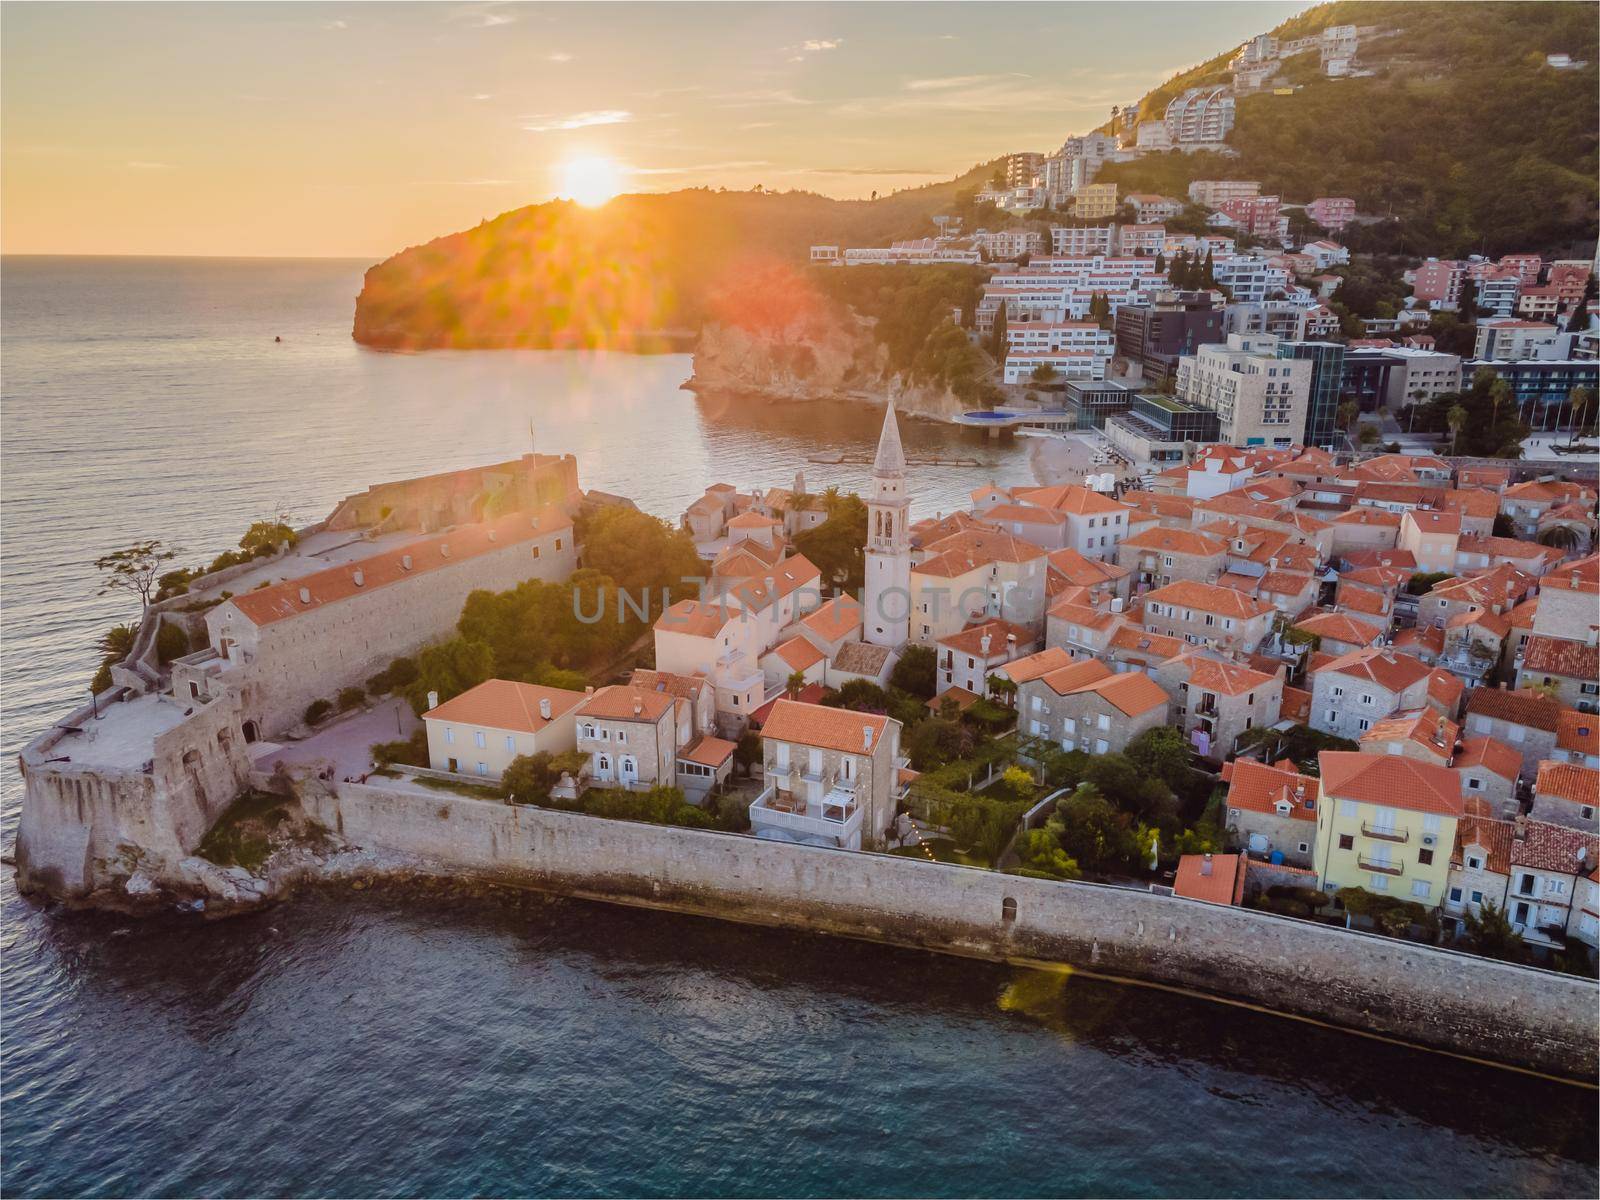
(1417, 993)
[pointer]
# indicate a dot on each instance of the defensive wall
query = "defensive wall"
(1422, 994)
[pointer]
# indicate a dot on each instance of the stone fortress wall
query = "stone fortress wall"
(1440, 998)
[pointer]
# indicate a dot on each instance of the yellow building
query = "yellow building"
(1095, 201)
(480, 731)
(1386, 824)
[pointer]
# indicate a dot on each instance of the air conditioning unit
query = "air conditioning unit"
(1428, 839)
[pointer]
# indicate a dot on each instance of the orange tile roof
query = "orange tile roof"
(817, 725)
(1491, 754)
(1226, 679)
(708, 751)
(975, 548)
(1206, 597)
(309, 593)
(1444, 688)
(1160, 505)
(1367, 515)
(1065, 680)
(1340, 627)
(751, 520)
(1547, 847)
(835, 619)
(1133, 692)
(1424, 726)
(687, 687)
(1234, 505)
(1578, 731)
(1296, 705)
(1156, 645)
(1527, 708)
(506, 704)
(1491, 836)
(1429, 639)
(783, 579)
(963, 698)
(1032, 666)
(1025, 513)
(1087, 615)
(1390, 780)
(1434, 522)
(1580, 576)
(1224, 884)
(696, 618)
(1483, 619)
(1075, 568)
(1381, 665)
(1069, 498)
(1568, 781)
(1001, 635)
(621, 702)
(1257, 787)
(798, 653)
(1175, 541)
(1558, 656)
(1362, 600)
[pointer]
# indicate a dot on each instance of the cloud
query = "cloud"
(811, 47)
(491, 20)
(336, 25)
(558, 56)
(484, 96)
(758, 97)
(549, 123)
(150, 166)
(952, 81)
(700, 168)
(758, 125)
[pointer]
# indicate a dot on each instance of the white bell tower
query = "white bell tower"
(886, 616)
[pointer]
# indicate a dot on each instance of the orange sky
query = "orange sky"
(358, 129)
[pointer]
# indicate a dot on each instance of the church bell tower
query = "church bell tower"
(886, 603)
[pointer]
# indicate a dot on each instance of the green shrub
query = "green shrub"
(400, 673)
(102, 679)
(351, 697)
(413, 752)
(171, 642)
(317, 710)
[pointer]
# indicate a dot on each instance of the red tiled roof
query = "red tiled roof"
(1567, 781)
(798, 654)
(308, 593)
(810, 694)
(835, 619)
(840, 729)
(708, 751)
(1032, 666)
(1492, 836)
(1423, 726)
(506, 704)
(1547, 847)
(1296, 705)
(1557, 656)
(1578, 732)
(1001, 634)
(1390, 780)
(1381, 665)
(1210, 878)
(622, 702)
(1176, 541)
(1257, 787)
(1206, 597)
(1490, 754)
(1527, 708)
(1339, 627)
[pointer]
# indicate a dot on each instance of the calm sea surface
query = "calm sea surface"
(369, 1046)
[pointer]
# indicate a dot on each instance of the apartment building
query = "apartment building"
(967, 658)
(632, 736)
(1510, 340)
(1259, 398)
(1386, 824)
(1352, 693)
(1212, 193)
(481, 730)
(1525, 721)
(1566, 794)
(1087, 706)
(1272, 809)
(1200, 116)
(1215, 702)
(1094, 201)
(1203, 613)
(1332, 212)
(1156, 334)
(1161, 556)
(832, 776)
(1082, 241)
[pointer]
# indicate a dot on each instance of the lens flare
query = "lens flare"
(591, 180)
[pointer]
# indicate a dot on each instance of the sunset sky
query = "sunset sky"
(359, 129)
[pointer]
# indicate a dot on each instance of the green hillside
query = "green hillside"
(637, 273)
(1465, 137)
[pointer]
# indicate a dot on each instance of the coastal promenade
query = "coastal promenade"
(1463, 1004)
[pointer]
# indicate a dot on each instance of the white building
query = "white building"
(480, 731)
(1260, 399)
(887, 595)
(1200, 116)
(1079, 241)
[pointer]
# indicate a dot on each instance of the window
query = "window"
(449, 735)
(1425, 858)
(1421, 888)
(511, 744)
(1347, 841)
(1103, 721)
(1475, 861)
(558, 543)
(1588, 811)
(1380, 883)
(1477, 897)
(1304, 847)
(1525, 886)
(1455, 895)
(1347, 808)
(622, 735)
(1474, 784)
(1363, 724)
(478, 739)
(483, 768)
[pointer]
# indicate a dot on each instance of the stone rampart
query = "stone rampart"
(1422, 994)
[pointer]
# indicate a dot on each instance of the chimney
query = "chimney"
(1519, 827)
(983, 644)
(866, 737)
(638, 706)
(360, 579)
(444, 549)
(433, 700)
(544, 709)
(1205, 865)
(492, 536)
(405, 562)
(305, 595)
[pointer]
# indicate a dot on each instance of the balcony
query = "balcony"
(1385, 833)
(833, 820)
(1381, 866)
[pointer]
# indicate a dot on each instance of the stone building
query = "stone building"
(284, 646)
(1272, 809)
(1086, 706)
(832, 776)
(1567, 795)
(1215, 702)
(1204, 614)
(1525, 721)
(632, 736)
(470, 496)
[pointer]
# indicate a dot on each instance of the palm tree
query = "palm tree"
(1561, 537)
(1579, 400)
(794, 684)
(117, 642)
(1457, 419)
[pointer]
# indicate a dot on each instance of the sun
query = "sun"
(591, 180)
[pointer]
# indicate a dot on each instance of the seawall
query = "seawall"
(1422, 994)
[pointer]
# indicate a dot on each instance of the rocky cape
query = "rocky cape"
(832, 358)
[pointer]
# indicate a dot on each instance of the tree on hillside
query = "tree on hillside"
(1467, 305)
(1044, 374)
(1457, 418)
(135, 569)
(997, 343)
(835, 546)
(449, 669)
(916, 672)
